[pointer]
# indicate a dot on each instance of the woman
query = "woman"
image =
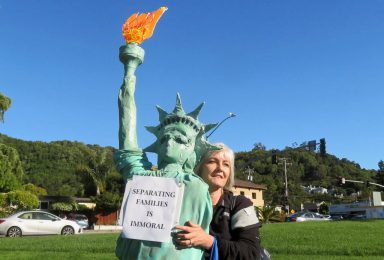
(234, 225)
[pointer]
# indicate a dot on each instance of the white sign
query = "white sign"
(151, 208)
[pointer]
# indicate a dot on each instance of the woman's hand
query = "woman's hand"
(193, 235)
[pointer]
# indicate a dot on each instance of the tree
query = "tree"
(259, 146)
(98, 169)
(380, 173)
(5, 103)
(35, 189)
(267, 214)
(11, 171)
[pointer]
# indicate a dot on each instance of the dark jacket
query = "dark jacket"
(236, 228)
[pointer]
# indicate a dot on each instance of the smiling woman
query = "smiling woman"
(234, 226)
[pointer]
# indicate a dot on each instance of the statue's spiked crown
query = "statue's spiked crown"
(179, 116)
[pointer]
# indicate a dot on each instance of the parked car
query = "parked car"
(37, 223)
(80, 219)
(307, 216)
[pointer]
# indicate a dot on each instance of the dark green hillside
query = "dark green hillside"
(54, 166)
(304, 168)
(63, 168)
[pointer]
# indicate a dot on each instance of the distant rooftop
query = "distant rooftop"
(249, 185)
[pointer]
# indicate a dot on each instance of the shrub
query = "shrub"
(107, 201)
(22, 200)
(63, 206)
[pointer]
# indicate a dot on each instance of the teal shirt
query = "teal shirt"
(196, 207)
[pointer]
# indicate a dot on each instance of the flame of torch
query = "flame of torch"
(139, 27)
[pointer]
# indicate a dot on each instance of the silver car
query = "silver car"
(37, 223)
(307, 216)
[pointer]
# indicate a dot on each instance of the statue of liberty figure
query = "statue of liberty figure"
(180, 142)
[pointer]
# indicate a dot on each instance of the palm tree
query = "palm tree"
(97, 169)
(267, 214)
(5, 103)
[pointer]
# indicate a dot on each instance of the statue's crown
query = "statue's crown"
(179, 116)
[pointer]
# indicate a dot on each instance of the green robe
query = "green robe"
(196, 207)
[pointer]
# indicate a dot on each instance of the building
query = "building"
(252, 191)
(366, 210)
(315, 190)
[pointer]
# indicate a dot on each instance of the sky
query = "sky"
(291, 70)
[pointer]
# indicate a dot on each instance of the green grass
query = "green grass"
(317, 240)
(325, 240)
(84, 246)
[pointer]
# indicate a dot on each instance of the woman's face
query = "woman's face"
(216, 169)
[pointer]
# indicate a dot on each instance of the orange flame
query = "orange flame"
(139, 27)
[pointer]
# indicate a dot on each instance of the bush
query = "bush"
(107, 201)
(63, 206)
(324, 209)
(3, 200)
(22, 200)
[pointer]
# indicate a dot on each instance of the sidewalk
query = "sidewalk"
(103, 229)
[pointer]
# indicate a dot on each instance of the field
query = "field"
(316, 240)
(325, 240)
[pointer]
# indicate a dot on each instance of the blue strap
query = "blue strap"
(214, 251)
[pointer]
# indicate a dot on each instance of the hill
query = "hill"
(56, 166)
(59, 168)
(304, 168)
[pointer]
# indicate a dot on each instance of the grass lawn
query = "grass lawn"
(325, 240)
(316, 240)
(84, 246)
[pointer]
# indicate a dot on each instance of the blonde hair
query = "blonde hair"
(226, 152)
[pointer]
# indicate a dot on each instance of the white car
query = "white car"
(307, 216)
(37, 223)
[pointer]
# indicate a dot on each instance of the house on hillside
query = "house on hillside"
(314, 190)
(252, 191)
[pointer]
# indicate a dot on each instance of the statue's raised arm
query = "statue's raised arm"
(136, 29)
(131, 55)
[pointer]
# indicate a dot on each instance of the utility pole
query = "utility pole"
(285, 163)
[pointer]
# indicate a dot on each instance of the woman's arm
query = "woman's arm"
(239, 238)
(245, 244)
(192, 235)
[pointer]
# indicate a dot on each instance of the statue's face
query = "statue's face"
(176, 144)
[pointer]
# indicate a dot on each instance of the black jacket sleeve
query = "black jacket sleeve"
(244, 245)
(244, 232)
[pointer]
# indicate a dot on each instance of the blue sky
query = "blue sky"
(292, 71)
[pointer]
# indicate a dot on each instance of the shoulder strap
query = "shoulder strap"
(233, 202)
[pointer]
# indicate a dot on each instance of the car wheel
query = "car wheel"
(67, 230)
(14, 232)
